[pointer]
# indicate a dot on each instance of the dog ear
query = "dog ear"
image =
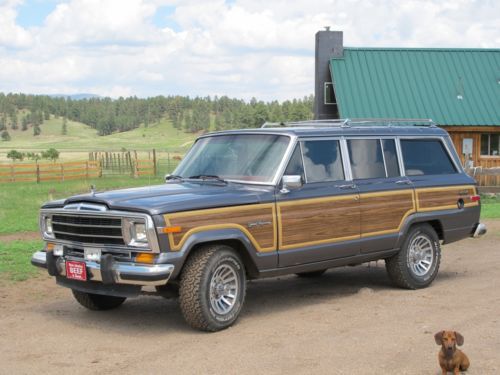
(460, 339)
(439, 337)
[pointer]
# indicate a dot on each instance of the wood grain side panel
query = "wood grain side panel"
(384, 212)
(262, 235)
(444, 198)
(308, 223)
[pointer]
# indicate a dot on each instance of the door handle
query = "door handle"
(403, 182)
(346, 186)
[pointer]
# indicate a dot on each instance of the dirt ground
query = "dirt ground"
(350, 321)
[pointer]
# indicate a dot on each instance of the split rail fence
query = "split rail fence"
(35, 172)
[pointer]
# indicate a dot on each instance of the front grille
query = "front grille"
(88, 229)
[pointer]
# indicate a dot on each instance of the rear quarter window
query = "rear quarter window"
(426, 157)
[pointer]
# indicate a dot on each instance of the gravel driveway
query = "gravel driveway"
(349, 321)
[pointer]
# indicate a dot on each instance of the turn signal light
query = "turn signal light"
(49, 246)
(145, 258)
(475, 198)
(176, 229)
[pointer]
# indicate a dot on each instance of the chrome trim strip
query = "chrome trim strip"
(401, 164)
(285, 159)
(383, 157)
(120, 270)
(87, 235)
(86, 225)
(346, 160)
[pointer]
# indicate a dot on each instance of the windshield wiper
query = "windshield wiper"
(173, 177)
(206, 177)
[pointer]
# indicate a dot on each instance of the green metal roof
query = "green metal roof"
(451, 86)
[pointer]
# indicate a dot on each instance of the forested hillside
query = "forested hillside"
(28, 112)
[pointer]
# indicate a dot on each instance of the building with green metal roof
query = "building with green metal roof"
(457, 88)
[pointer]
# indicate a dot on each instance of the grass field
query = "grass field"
(81, 138)
(490, 208)
(20, 202)
(15, 259)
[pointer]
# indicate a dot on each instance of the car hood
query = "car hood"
(174, 197)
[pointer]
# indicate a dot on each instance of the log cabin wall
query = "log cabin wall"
(458, 133)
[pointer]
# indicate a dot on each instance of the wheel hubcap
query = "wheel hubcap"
(421, 255)
(224, 289)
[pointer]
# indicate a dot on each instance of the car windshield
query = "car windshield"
(237, 157)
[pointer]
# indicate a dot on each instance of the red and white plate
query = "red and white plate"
(76, 270)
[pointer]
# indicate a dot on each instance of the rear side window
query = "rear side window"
(366, 157)
(322, 160)
(425, 157)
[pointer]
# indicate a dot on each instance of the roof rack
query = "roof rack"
(348, 123)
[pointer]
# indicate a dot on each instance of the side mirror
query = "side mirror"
(291, 182)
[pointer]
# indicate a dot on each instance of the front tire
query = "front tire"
(212, 288)
(416, 264)
(97, 301)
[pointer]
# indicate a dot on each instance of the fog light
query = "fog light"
(58, 250)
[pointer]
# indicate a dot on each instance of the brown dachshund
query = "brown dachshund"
(451, 358)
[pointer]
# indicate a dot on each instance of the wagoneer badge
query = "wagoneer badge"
(258, 223)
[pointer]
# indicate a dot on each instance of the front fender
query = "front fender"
(259, 260)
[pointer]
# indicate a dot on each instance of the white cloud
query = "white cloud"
(12, 35)
(244, 48)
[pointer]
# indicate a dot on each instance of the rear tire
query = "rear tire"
(212, 288)
(416, 264)
(97, 301)
(311, 274)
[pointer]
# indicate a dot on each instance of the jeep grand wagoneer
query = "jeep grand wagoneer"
(287, 198)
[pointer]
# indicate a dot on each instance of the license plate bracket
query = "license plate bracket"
(76, 270)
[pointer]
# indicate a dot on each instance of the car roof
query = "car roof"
(336, 131)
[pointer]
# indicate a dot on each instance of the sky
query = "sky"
(239, 48)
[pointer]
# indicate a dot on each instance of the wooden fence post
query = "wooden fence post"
(12, 174)
(62, 172)
(37, 173)
(155, 171)
(87, 170)
(136, 170)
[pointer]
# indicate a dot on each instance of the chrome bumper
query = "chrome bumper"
(118, 272)
(480, 230)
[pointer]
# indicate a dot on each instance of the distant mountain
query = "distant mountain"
(76, 96)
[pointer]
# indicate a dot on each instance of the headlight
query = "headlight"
(46, 227)
(140, 234)
(135, 232)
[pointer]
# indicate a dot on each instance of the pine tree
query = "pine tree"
(24, 123)
(5, 135)
(36, 130)
(64, 129)
(14, 125)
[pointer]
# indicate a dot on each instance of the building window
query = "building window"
(490, 144)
